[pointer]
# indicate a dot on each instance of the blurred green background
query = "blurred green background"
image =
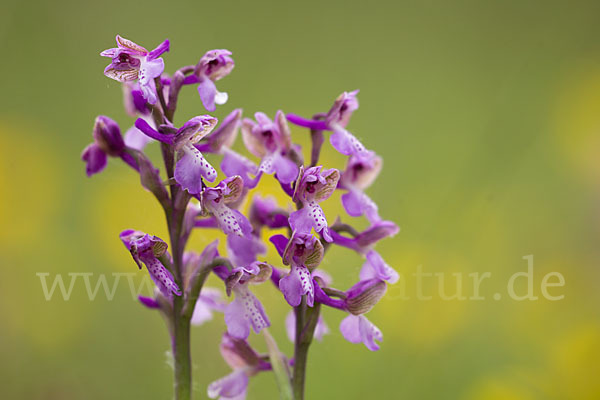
(486, 114)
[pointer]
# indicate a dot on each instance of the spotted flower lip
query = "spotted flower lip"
(313, 186)
(107, 142)
(146, 249)
(246, 311)
(131, 61)
(271, 142)
(215, 200)
(303, 252)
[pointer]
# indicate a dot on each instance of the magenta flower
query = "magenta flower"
(131, 61)
(245, 363)
(245, 310)
(224, 135)
(312, 187)
(272, 143)
(146, 249)
(215, 200)
(191, 166)
(265, 212)
(214, 65)
(358, 329)
(303, 252)
(108, 142)
(336, 120)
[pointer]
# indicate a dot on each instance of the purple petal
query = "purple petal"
(358, 329)
(280, 242)
(161, 276)
(235, 164)
(376, 267)
(159, 50)
(286, 169)
(136, 139)
(346, 143)
(358, 203)
(145, 128)
(306, 123)
(149, 302)
(94, 158)
(191, 168)
(243, 250)
(230, 387)
(208, 92)
(296, 284)
(311, 215)
(208, 301)
(243, 312)
(226, 133)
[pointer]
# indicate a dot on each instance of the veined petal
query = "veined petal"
(230, 387)
(296, 284)
(128, 44)
(190, 169)
(243, 312)
(121, 75)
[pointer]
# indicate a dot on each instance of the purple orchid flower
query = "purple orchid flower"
(365, 240)
(147, 249)
(191, 166)
(312, 187)
(304, 252)
(336, 120)
(272, 143)
(245, 310)
(215, 200)
(107, 142)
(131, 61)
(358, 329)
(245, 363)
(243, 250)
(214, 65)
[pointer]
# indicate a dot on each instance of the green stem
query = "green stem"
(181, 351)
(306, 321)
